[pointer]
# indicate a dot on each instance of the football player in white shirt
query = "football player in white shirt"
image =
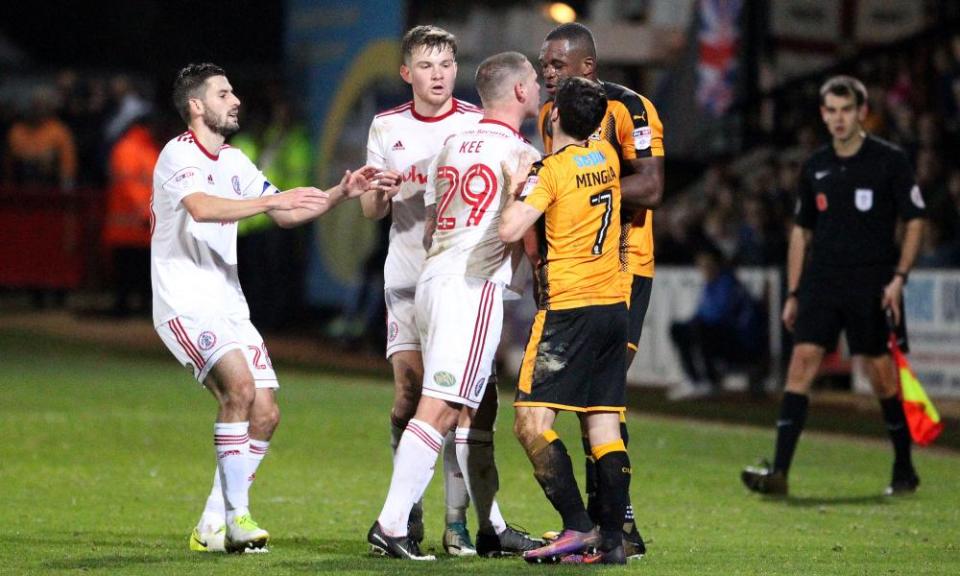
(459, 302)
(402, 142)
(201, 188)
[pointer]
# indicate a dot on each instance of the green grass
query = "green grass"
(106, 458)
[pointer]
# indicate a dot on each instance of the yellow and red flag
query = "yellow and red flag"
(922, 416)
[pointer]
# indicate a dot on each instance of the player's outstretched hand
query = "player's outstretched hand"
(306, 197)
(388, 183)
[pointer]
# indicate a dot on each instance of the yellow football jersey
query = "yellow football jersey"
(578, 191)
(633, 127)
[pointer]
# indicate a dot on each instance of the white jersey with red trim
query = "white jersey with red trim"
(193, 265)
(402, 140)
(467, 181)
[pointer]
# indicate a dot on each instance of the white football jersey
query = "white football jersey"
(402, 140)
(193, 265)
(467, 181)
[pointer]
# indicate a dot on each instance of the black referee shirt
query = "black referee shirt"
(852, 205)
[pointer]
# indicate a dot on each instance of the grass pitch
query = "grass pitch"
(106, 459)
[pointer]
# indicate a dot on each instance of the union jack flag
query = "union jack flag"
(718, 39)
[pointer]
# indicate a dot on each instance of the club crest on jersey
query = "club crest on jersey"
(444, 379)
(392, 331)
(822, 202)
(206, 340)
(235, 181)
(863, 199)
(916, 197)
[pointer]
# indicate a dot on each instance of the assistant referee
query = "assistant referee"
(843, 270)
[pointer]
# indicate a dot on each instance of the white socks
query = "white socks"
(454, 486)
(214, 512)
(475, 454)
(233, 447)
(413, 466)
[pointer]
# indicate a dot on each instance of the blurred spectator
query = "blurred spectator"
(126, 229)
(727, 330)
(84, 112)
(40, 148)
(128, 106)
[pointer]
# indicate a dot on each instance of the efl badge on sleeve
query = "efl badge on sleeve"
(863, 199)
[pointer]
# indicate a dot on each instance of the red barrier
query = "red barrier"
(49, 238)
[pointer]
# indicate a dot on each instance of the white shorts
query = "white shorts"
(460, 321)
(198, 343)
(402, 331)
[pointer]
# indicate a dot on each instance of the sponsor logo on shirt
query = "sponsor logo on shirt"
(863, 199)
(210, 179)
(398, 146)
(414, 175)
(444, 379)
(820, 174)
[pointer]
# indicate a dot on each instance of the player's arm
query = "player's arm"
(205, 207)
(643, 188)
(517, 216)
(352, 185)
(375, 204)
(429, 226)
(516, 219)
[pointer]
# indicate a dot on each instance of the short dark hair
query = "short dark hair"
(581, 104)
(577, 34)
(494, 73)
(846, 86)
(432, 37)
(190, 80)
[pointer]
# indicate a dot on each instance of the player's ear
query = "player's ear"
(862, 112)
(196, 106)
(405, 74)
(588, 65)
(554, 115)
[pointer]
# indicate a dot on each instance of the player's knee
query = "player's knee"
(239, 395)
(265, 419)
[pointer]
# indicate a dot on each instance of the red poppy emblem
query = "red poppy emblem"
(822, 202)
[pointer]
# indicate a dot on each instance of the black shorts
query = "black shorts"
(828, 304)
(640, 289)
(575, 360)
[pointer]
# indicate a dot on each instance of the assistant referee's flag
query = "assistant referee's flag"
(922, 416)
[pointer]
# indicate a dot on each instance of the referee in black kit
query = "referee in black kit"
(844, 270)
